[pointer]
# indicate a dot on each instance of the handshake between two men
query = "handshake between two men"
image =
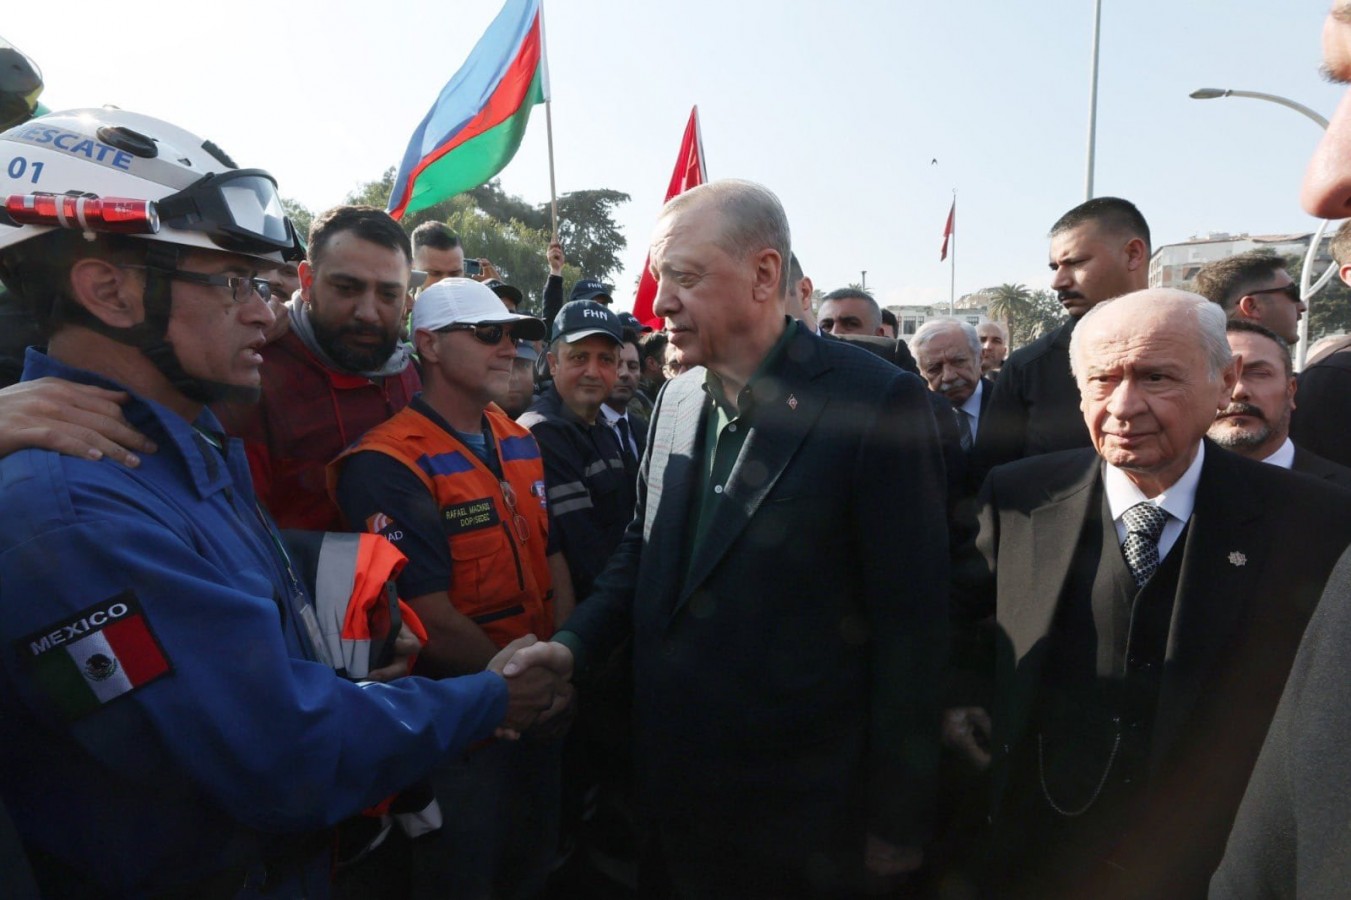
(539, 689)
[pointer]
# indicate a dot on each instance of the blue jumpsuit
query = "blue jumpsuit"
(214, 743)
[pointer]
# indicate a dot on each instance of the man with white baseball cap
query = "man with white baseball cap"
(459, 487)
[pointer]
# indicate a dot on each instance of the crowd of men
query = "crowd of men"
(328, 569)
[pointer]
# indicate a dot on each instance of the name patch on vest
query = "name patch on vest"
(469, 516)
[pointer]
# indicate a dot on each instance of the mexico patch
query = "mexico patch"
(95, 656)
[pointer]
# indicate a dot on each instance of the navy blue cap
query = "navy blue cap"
(590, 289)
(583, 318)
(502, 289)
(629, 320)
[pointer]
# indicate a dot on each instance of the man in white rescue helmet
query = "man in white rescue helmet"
(169, 722)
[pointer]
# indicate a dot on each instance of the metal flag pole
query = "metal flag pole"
(549, 122)
(553, 189)
(1093, 100)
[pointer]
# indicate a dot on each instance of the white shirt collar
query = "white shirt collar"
(972, 405)
(1178, 500)
(1284, 455)
(610, 415)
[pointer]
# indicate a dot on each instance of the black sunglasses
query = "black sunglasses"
(1290, 290)
(488, 334)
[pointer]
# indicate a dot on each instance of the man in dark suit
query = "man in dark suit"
(786, 704)
(1322, 423)
(630, 429)
(948, 353)
(1149, 598)
(1099, 250)
(1291, 838)
(1256, 423)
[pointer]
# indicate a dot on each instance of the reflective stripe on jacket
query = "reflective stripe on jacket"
(500, 576)
(351, 578)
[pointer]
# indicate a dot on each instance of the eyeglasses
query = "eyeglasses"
(518, 522)
(488, 334)
(241, 289)
(1290, 290)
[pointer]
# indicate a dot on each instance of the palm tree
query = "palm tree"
(1010, 303)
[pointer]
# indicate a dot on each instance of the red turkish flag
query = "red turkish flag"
(948, 229)
(689, 172)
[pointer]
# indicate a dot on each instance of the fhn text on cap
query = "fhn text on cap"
(583, 318)
(590, 289)
(463, 301)
(505, 291)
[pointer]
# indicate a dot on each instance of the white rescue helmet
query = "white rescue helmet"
(112, 171)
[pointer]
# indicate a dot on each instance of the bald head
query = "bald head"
(1147, 394)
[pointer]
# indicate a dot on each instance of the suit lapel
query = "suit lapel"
(1221, 561)
(1056, 526)
(670, 475)
(786, 408)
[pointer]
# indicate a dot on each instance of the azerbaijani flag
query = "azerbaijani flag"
(477, 122)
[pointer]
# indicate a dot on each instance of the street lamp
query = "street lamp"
(1216, 93)
(1307, 286)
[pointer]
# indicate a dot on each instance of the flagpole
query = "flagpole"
(548, 121)
(553, 189)
(952, 290)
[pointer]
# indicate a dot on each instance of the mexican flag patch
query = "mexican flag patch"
(95, 656)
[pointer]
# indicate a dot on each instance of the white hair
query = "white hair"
(933, 327)
(1209, 318)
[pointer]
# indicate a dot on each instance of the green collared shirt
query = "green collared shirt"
(725, 430)
(724, 434)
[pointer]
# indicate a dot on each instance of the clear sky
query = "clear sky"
(839, 107)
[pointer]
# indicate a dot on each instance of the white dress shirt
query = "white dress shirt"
(1284, 455)
(1177, 500)
(612, 419)
(971, 409)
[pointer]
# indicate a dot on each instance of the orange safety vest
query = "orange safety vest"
(498, 530)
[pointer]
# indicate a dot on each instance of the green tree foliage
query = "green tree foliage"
(512, 233)
(299, 215)
(587, 230)
(374, 193)
(516, 249)
(1029, 313)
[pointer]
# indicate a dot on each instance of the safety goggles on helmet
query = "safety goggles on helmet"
(238, 209)
(20, 85)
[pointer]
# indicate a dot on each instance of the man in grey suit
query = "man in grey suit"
(786, 708)
(1149, 595)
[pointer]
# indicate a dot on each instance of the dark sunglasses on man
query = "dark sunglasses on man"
(488, 334)
(1290, 290)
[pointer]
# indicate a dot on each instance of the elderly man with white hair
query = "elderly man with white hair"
(1150, 593)
(948, 352)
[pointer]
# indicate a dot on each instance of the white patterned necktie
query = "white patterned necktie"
(1144, 524)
